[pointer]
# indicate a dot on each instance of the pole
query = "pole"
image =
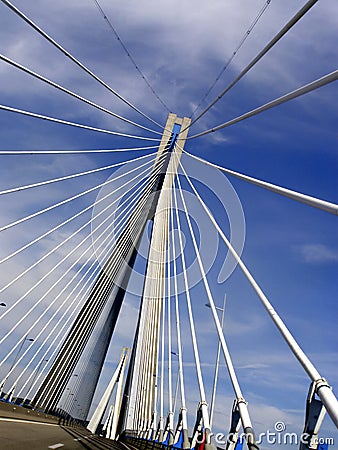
(213, 398)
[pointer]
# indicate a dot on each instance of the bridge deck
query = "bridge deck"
(22, 429)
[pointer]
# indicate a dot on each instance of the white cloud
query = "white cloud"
(318, 253)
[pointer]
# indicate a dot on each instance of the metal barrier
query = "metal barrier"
(130, 437)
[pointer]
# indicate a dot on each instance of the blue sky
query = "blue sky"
(291, 249)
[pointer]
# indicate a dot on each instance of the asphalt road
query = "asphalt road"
(18, 434)
(22, 428)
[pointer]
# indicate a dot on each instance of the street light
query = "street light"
(176, 386)
(9, 395)
(216, 307)
(3, 304)
(18, 353)
(213, 398)
(36, 373)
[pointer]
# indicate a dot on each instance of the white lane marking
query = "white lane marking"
(3, 419)
(56, 445)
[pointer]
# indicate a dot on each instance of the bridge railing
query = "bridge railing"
(131, 437)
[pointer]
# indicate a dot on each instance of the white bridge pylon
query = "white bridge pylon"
(141, 413)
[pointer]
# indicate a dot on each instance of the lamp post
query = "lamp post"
(213, 398)
(69, 402)
(36, 373)
(176, 387)
(9, 395)
(19, 351)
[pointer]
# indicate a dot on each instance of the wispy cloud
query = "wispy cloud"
(318, 253)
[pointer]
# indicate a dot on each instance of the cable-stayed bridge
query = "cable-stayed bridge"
(163, 233)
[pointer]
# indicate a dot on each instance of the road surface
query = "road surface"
(22, 429)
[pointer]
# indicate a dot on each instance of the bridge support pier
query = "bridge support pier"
(142, 381)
